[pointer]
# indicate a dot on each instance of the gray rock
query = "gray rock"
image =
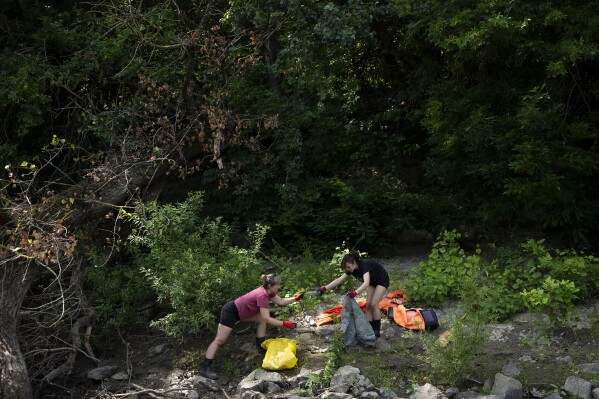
(252, 385)
(300, 378)
(253, 395)
(344, 379)
(554, 395)
(579, 387)
(156, 349)
(192, 394)
(506, 387)
(523, 317)
(120, 376)
(536, 393)
(388, 332)
(326, 331)
(527, 358)
(249, 383)
(206, 384)
(510, 369)
(100, 373)
(596, 393)
(451, 392)
(590, 368)
(488, 384)
(361, 384)
(427, 391)
(386, 393)
(336, 395)
(175, 376)
(564, 359)
(370, 395)
(466, 395)
(268, 376)
(271, 387)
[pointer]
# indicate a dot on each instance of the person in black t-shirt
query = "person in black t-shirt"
(375, 280)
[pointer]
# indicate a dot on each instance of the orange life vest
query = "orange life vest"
(411, 319)
(329, 315)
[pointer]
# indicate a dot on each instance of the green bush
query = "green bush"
(117, 293)
(554, 298)
(519, 274)
(444, 273)
(191, 263)
(528, 276)
(454, 360)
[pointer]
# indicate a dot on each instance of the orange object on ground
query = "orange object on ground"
(397, 297)
(408, 318)
(329, 315)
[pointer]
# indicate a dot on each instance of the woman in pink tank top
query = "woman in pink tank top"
(254, 307)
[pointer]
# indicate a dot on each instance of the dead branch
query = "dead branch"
(153, 393)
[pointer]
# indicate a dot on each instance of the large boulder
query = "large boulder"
(578, 387)
(344, 379)
(506, 387)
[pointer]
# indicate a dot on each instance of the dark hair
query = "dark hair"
(270, 279)
(352, 257)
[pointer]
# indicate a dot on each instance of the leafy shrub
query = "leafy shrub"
(443, 274)
(518, 276)
(581, 270)
(116, 294)
(527, 276)
(453, 360)
(555, 298)
(191, 263)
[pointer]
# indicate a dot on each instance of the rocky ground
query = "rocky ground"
(521, 347)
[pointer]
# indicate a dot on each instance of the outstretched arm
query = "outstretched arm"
(265, 313)
(337, 281)
(283, 301)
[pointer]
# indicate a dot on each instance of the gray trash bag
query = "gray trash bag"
(356, 329)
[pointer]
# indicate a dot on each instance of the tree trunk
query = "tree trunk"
(14, 379)
(16, 277)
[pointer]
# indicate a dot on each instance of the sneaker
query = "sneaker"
(208, 373)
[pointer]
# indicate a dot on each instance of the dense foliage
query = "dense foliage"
(528, 276)
(384, 116)
(329, 121)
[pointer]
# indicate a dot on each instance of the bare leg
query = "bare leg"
(377, 295)
(373, 313)
(369, 296)
(261, 329)
(222, 335)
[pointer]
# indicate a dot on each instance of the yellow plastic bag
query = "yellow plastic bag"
(280, 354)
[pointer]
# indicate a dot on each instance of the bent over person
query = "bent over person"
(375, 280)
(254, 307)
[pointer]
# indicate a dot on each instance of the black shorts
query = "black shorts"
(384, 281)
(229, 315)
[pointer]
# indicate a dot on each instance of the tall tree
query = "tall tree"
(130, 99)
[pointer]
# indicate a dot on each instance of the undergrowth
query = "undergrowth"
(317, 383)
